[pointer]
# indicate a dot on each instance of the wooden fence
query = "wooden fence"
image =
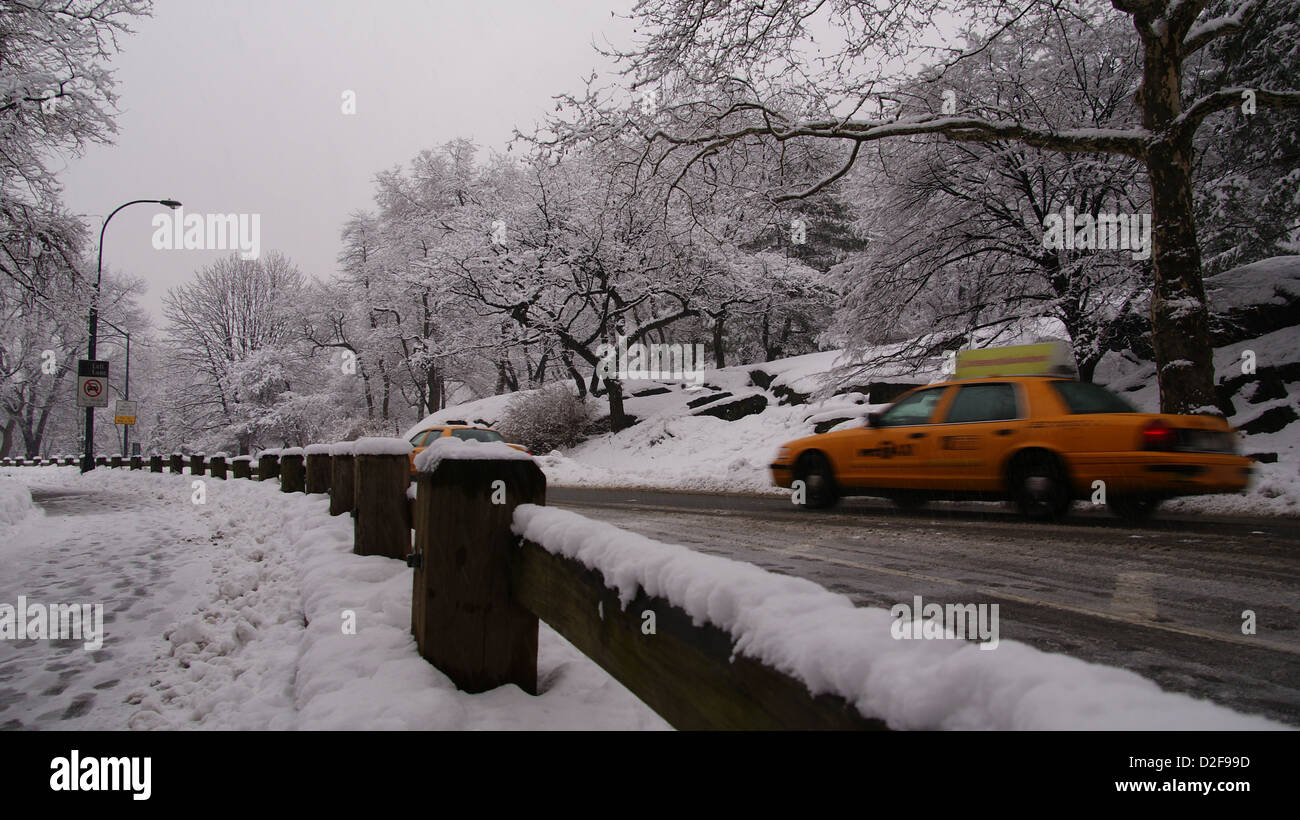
(479, 592)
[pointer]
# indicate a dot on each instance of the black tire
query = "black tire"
(1133, 508)
(818, 480)
(1039, 486)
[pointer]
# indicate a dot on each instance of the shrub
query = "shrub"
(545, 419)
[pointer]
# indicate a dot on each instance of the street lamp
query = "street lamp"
(88, 457)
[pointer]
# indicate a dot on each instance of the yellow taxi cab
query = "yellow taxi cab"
(1002, 430)
(422, 439)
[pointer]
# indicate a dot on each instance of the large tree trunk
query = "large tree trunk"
(1179, 316)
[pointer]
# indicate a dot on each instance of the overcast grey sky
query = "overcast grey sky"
(234, 106)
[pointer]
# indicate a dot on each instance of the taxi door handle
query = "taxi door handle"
(916, 435)
(1005, 431)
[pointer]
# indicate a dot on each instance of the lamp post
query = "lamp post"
(88, 457)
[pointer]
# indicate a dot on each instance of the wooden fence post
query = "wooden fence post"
(342, 494)
(176, 463)
(464, 618)
(242, 466)
(196, 464)
(137, 462)
(155, 464)
(318, 468)
(381, 474)
(268, 465)
(101, 461)
(217, 466)
(115, 462)
(291, 470)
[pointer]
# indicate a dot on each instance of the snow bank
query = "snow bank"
(378, 446)
(291, 630)
(465, 450)
(15, 503)
(820, 638)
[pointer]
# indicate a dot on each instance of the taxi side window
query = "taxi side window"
(915, 409)
(983, 402)
(422, 439)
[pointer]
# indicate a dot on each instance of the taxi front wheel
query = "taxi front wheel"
(1039, 485)
(819, 482)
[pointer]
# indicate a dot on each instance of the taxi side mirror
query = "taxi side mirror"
(873, 419)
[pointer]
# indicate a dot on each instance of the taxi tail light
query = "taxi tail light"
(1159, 436)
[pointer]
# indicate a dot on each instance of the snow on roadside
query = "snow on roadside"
(265, 648)
(15, 503)
(821, 638)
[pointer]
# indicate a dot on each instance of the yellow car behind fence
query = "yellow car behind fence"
(1040, 441)
(422, 439)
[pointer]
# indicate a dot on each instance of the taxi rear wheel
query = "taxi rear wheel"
(1039, 485)
(1132, 508)
(819, 482)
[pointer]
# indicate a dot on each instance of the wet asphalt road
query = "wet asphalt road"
(1167, 600)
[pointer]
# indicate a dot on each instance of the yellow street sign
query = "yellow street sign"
(124, 413)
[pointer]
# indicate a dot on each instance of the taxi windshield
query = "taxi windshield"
(1085, 397)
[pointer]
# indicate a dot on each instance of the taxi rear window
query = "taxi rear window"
(1085, 397)
(477, 435)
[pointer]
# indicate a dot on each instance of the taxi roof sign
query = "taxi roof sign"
(1044, 359)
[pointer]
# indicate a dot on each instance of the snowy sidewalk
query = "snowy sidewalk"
(233, 614)
(139, 554)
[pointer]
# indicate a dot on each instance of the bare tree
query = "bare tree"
(731, 69)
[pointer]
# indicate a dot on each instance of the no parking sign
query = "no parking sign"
(92, 383)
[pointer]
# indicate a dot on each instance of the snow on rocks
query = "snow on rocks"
(426, 461)
(820, 638)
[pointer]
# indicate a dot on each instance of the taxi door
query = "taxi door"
(980, 424)
(894, 453)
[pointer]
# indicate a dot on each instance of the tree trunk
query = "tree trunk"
(719, 351)
(617, 418)
(1180, 326)
(1179, 315)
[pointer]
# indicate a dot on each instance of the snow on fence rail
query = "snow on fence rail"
(707, 642)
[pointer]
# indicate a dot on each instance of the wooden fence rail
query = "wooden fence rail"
(479, 592)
